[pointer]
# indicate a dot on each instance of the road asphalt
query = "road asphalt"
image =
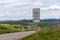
(15, 36)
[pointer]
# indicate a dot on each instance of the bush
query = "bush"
(7, 29)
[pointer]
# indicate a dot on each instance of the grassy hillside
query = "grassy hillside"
(6, 29)
(51, 34)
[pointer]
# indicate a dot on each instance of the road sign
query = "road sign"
(36, 15)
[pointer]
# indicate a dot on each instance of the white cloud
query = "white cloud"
(8, 1)
(38, 3)
(51, 7)
(20, 9)
(4, 13)
(54, 7)
(50, 15)
(13, 3)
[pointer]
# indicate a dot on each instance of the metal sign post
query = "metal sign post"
(36, 19)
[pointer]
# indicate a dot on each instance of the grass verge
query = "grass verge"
(50, 34)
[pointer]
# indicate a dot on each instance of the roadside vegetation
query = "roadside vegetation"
(50, 34)
(6, 29)
(23, 26)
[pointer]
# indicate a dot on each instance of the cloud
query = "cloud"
(4, 13)
(13, 3)
(52, 7)
(22, 9)
(50, 15)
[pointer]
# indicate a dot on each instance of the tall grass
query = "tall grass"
(50, 34)
(6, 29)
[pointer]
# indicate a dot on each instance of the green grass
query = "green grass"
(6, 29)
(51, 34)
(2, 31)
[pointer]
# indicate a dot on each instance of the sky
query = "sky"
(22, 9)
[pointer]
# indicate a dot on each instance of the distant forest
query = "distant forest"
(25, 20)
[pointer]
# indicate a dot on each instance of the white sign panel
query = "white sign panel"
(36, 15)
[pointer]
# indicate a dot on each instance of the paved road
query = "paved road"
(15, 36)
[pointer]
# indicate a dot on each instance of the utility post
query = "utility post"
(36, 19)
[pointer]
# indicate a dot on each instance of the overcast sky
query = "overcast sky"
(22, 9)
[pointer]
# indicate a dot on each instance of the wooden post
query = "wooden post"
(36, 24)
